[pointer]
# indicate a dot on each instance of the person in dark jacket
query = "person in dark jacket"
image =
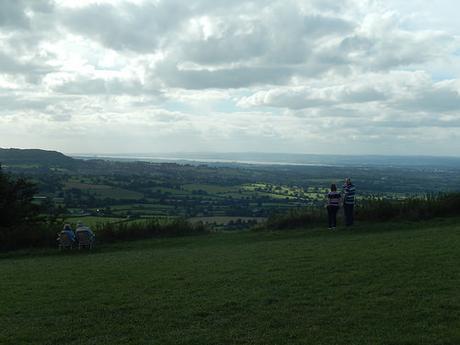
(349, 192)
(333, 202)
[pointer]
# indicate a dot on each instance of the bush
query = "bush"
(45, 234)
(29, 235)
(16, 207)
(414, 209)
(154, 227)
(431, 206)
(296, 218)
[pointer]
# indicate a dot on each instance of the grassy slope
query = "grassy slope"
(387, 284)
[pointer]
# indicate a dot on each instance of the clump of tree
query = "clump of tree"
(20, 225)
(16, 196)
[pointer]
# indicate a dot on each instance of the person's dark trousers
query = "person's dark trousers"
(348, 209)
(332, 215)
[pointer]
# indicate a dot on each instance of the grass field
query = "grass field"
(380, 284)
(92, 221)
(213, 189)
(224, 219)
(104, 191)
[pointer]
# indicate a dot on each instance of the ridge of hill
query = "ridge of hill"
(14, 156)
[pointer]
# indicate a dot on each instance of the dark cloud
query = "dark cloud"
(31, 69)
(277, 38)
(11, 103)
(236, 77)
(231, 46)
(139, 28)
(433, 122)
(98, 86)
(433, 99)
(13, 12)
(362, 95)
(302, 98)
(318, 25)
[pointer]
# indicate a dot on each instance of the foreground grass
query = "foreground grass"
(383, 284)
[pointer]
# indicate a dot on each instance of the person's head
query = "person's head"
(348, 180)
(333, 188)
(67, 227)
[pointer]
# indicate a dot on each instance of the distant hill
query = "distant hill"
(35, 157)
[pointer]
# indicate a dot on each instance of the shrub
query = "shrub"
(296, 218)
(154, 227)
(29, 235)
(414, 209)
(16, 205)
(45, 234)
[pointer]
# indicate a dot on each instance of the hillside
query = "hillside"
(380, 284)
(32, 157)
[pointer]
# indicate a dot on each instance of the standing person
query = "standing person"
(349, 192)
(333, 202)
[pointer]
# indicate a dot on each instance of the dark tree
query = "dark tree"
(16, 196)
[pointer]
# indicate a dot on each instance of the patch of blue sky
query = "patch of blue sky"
(442, 76)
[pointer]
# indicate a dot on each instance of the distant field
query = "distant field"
(210, 188)
(383, 284)
(224, 220)
(23, 166)
(104, 191)
(92, 221)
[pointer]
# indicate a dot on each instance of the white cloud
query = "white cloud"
(230, 75)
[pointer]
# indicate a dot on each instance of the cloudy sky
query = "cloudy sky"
(305, 76)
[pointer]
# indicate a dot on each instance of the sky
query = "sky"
(294, 76)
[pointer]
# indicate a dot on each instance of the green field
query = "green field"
(92, 221)
(224, 219)
(104, 191)
(213, 189)
(380, 284)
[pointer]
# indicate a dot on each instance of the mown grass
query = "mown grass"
(393, 283)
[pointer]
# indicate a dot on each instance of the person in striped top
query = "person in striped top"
(349, 192)
(333, 202)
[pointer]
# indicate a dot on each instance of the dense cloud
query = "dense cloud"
(21, 14)
(232, 75)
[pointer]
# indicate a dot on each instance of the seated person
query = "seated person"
(84, 229)
(66, 237)
(69, 232)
